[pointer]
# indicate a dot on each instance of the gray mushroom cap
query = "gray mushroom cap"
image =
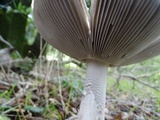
(115, 32)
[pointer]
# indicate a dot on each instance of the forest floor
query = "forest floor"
(53, 91)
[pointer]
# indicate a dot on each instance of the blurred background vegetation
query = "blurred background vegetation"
(38, 82)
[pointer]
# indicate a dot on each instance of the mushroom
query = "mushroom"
(112, 33)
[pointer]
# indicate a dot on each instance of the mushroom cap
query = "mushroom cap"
(115, 32)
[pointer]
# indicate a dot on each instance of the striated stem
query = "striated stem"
(93, 104)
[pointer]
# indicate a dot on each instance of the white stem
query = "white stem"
(93, 104)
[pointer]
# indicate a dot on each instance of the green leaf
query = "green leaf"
(12, 29)
(88, 2)
(4, 118)
(34, 109)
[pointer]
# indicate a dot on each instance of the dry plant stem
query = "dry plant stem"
(59, 81)
(93, 104)
(40, 56)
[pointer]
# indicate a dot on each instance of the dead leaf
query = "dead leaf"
(118, 117)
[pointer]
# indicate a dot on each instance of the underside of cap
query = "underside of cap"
(116, 32)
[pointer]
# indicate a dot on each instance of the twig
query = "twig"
(79, 64)
(12, 62)
(118, 78)
(8, 44)
(148, 75)
(135, 79)
(4, 83)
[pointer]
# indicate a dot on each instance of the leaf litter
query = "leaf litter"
(36, 96)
